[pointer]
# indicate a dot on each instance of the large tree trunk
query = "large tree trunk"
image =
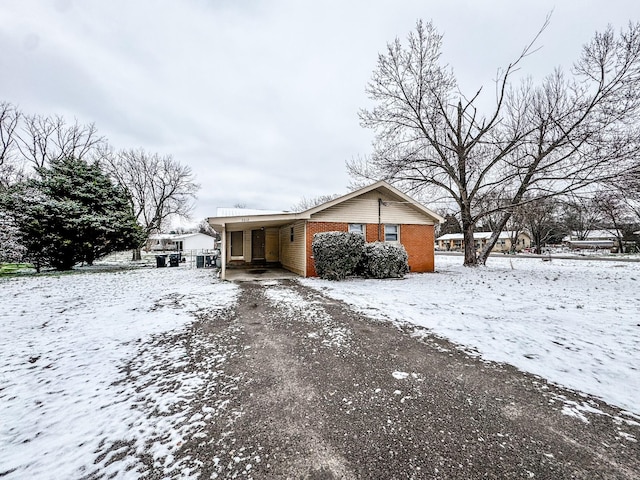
(137, 255)
(470, 257)
(493, 239)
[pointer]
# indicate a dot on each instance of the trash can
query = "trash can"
(174, 259)
(199, 261)
(161, 261)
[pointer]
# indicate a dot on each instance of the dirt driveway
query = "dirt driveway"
(313, 390)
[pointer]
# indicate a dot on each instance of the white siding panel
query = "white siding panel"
(364, 209)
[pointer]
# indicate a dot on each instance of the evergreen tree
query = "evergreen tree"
(72, 213)
(450, 225)
(11, 250)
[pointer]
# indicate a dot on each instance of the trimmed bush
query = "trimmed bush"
(337, 254)
(384, 260)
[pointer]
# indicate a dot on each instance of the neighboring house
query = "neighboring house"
(454, 241)
(380, 212)
(593, 239)
(180, 242)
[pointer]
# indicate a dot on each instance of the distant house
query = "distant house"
(181, 242)
(593, 239)
(455, 241)
(379, 212)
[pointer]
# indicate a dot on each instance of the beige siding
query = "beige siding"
(292, 254)
(364, 209)
(272, 244)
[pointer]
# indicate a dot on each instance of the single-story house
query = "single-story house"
(593, 240)
(379, 212)
(455, 241)
(181, 242)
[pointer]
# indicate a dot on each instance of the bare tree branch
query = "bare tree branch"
(567, 134)
(158, 187)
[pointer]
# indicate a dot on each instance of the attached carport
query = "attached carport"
(258, 240)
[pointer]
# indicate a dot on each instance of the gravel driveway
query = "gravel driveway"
(312, 390)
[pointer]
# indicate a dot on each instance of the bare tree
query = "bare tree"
(9, 118)
(627, 189)
(307, 203)
(10, 164)
(158, 187)
(617, 214)
(540, 217)
(569, 132)
(580, 216)
(44, 139)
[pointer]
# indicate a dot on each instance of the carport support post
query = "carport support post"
(223, 254)
(379, 217)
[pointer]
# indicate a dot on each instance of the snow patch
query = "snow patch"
(64, 340)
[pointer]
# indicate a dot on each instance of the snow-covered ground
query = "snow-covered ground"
(97, 372)
(65, 340)
(573, 322)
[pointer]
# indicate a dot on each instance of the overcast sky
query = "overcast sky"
(260, 98)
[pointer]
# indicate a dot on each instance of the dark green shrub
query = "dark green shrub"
(384, 260)
(337, 254)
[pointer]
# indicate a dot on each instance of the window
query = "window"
(357, 228)
(291, 234)
(391, 233)
(237, 244)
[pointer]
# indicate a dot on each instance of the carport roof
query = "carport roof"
(242, 219)
(258, 221)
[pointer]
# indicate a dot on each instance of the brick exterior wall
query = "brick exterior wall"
(317, 227)
(418, 240)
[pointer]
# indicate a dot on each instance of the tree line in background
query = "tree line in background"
(66, 196)
(574, 135)
(548, 221)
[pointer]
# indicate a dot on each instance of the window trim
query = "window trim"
(396, 233)
(362, 231)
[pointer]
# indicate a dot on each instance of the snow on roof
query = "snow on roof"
(594, 235)
(173, 236)
(477, 235)
(239, 212)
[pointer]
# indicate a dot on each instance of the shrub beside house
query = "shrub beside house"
(378, 212)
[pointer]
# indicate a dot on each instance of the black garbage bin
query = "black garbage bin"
(161, 261)
(199, 261)
(174, 259)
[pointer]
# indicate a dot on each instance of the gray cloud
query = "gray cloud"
(259, 97)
